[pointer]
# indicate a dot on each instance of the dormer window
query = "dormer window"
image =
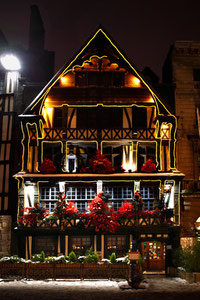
(99, 79)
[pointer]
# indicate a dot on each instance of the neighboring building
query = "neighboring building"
(16, 90)
(98, 100)
(182, 71)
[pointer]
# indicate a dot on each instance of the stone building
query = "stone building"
(182, 71)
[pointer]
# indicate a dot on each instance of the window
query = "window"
(196, 74)
(87, 118)
(139, 117)
(81, 196)
(119, 194)
(80, 244)
(100, 79)
(117, 244)
(57, 117)
(84, 152)
(113, 153)
(49, 197)
(48, 244)
(145, 151)
(53, 152)
(149, 196)
(99, 118)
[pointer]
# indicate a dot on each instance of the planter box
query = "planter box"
(40, 271)
(96, 271)
(67, 271)
(120, 271)
(12, 270)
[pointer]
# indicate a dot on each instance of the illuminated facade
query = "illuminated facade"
(99, 101)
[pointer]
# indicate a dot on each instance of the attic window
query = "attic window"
(100, 79)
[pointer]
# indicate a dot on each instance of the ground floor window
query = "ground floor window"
(80, 196)
(49, 197)
(118, 194)
(79, 244)
(48, 244)
(117, 244)
(149, 196)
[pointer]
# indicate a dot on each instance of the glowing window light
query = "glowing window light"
(10, 62)
(136, 81)
(64, 80)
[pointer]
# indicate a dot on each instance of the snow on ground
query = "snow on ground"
(153, 288)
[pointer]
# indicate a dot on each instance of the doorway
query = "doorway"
(153, 253)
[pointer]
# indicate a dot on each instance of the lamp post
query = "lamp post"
(11, 64)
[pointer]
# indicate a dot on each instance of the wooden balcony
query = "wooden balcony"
(79, 222)
(53, 134)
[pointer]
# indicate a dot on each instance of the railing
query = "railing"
(80, 222)
(94, 134)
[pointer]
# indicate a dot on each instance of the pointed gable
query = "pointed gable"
(101, 54)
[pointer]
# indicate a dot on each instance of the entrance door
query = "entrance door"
(154, 255)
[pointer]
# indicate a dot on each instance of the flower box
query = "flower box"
(41, 271)
(12, 270)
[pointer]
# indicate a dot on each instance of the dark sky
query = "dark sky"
(143, 29)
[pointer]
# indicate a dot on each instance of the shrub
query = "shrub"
(72, 257)
(188, 258)
(91, 256)
(177, 258)
(42, 256)
(113, 258)
(38, 257)
(58, 260)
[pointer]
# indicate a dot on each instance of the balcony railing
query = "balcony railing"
(96, 134)
(79, 222)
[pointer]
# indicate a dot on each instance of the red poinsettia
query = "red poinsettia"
(47, 166)
(97, 205)
(100, 164)
(32, 214)
(100, 217)
(126, 211)
(63, 208)
(149, 166)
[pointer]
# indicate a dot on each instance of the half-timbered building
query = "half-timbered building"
(99, 104)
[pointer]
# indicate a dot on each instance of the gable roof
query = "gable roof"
(99, 44)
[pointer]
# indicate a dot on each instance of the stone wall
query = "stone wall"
(5, 235)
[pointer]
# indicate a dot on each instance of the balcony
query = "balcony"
(53, 134)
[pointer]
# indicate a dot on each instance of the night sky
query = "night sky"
(143, 29)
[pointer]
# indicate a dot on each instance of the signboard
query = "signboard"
(133, 255)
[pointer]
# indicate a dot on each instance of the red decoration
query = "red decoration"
(47, 166)
(100, 164)
(126, 211)
(149, 166)
(64, 209)
(100, 217)
(33, 214)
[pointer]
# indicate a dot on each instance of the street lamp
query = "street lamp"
(10, 62)
(12, 65)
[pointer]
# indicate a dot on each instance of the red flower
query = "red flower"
(47, 166)
(126, 211)
(149, 166)
(100, 164)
